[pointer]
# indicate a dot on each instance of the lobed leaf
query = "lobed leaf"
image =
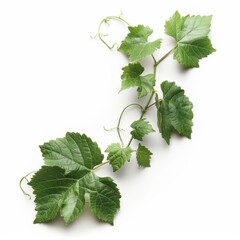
(141, 128)
(143, 156)
(136, 44)
(60, 192)
(117, 155)
(74, 151)
(132, 77)
(191, 35)
(174, 112)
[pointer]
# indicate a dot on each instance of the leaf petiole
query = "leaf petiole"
(99, 165)
(159, 100)
(165, 56)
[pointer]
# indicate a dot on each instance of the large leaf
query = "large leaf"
(57, 191)
(141, 128)
(117, 155)
(174, 112)
(191, 35)
(74, 151)
(136, 44)
(132, 77)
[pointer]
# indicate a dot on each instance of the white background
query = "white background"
(54, 78)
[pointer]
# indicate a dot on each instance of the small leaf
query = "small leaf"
(57, 192)
(74, 151)
(174, 112)
(131, 77)
(141, 128)
(136, 44)
(191, 35)
(143, 156)
(117, 155)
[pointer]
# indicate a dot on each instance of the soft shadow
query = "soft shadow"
(181, 69)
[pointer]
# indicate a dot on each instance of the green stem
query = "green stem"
(99, 165)
(20, 183)
(165, 56)
(143, 112)
(154, 103)
(148, 105)
(150, 98)
(106, 20)
(154, 59)
(120, 118)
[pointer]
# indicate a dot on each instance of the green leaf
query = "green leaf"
(117, 155)
(136, 44)
(143, 156)
(74, 151)
(191, 35)
(141, 128)
(174, 25)
(57, 191)
(174, 112)
(131, 77)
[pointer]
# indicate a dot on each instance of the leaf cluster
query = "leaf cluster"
(67, 180)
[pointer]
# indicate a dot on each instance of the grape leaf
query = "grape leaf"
(131, 77)
(74, 151)
(191, 35)
(57, 191)
(143, 156)
(136, 44)
(141, 128)
(174, 112)
(117, 155)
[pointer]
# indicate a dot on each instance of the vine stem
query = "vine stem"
(163, 57)
(143, 112)
(106, 20)
(100, 165)
(150, 98)
(120, 118)
(148, 105)
(159, 100)
(20, 183)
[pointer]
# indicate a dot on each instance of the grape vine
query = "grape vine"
(67, 176)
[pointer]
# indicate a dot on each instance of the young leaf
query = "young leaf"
(58, 191)
(141, 128)
(131, 77)
(191, 35)
(174, 112)
(143, 156)
(136, 44)
(117, 155)
(74, 151)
